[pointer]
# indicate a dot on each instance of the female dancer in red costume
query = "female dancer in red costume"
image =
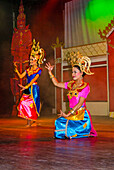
(29, 106)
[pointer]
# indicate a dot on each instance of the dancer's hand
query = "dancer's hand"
(49, 67)
(62, 114)
(21, 86)
(15, 64)
(15, 67)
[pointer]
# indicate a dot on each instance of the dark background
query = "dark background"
(45, 19)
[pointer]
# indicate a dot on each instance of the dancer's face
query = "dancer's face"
(33, 61)
(76, 74)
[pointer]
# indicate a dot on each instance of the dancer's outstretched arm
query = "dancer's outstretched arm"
(50, 67)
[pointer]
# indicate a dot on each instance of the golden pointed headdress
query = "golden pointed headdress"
(83, 62)
(38, 52)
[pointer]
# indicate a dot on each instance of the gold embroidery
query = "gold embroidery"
(31, 105)
(70, 83)
(74, 135)
(86, 135)
(84, 126)
(83, 86)
(72, 93)
(22, 98)
(31, 72)
(73, 89)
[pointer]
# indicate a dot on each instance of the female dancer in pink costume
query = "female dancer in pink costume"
(77, 122)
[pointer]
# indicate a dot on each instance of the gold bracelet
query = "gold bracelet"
(51, 76)
(72, 112)
(26, 87)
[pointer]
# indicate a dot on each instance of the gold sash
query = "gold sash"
(79, 115)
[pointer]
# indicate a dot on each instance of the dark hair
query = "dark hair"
(78, 67)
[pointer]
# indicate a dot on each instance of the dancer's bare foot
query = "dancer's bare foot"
(34, 124)
(28, 123)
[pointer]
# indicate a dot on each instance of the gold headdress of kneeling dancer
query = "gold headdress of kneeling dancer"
(38, 52)
(83, 62)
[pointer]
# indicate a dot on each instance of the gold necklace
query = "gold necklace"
(75, 86)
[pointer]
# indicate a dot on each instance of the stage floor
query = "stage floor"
(34, 148)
